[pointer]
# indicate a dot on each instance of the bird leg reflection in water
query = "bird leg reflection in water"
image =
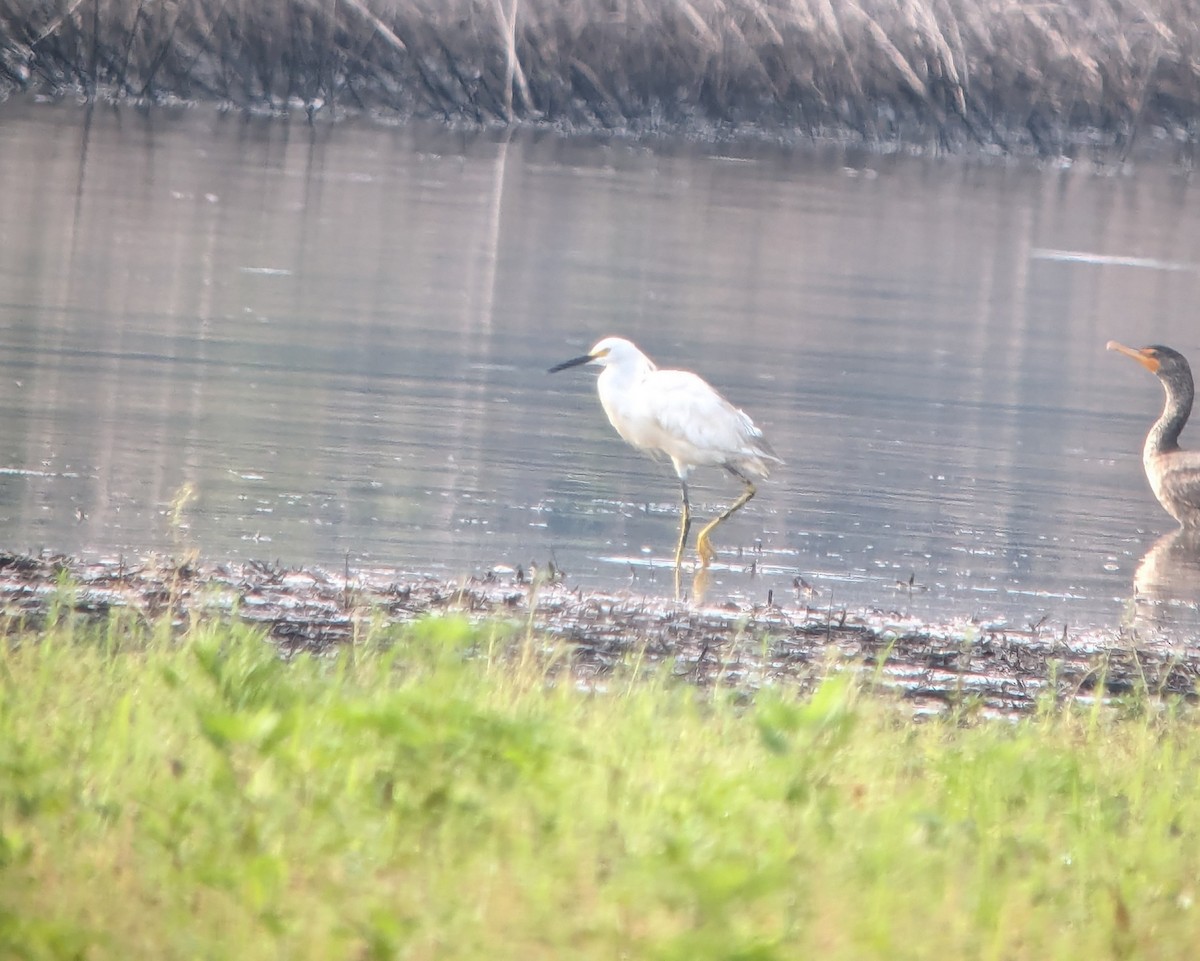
(677, 413)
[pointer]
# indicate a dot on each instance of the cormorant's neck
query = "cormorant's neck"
(1164, 435)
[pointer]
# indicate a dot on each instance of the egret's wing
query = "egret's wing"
(707, 428)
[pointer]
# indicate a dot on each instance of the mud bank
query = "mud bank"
(935, 667)
(931, 75)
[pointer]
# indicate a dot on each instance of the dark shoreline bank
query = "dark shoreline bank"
(996, 670)
(1111, 80)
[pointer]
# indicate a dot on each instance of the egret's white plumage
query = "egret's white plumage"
(677, 413)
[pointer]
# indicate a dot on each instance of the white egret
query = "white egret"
(677, 413)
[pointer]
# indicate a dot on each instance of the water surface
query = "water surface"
(262, 339)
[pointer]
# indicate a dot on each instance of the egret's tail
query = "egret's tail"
(759, 459)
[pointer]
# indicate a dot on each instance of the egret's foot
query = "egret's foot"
(704, 549)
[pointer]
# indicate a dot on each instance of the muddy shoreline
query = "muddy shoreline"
(1111, 80)
(989, 669)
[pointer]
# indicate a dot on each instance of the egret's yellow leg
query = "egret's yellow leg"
(703, 548)
(684, 526)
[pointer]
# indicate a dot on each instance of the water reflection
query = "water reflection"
(1166, 584)
(336, 336)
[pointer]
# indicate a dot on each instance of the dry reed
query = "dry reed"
(1004, 73)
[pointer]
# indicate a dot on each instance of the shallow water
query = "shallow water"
(259, 339)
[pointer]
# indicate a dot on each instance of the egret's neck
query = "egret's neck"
(619, 378)
(617, 386)
(1164, 435)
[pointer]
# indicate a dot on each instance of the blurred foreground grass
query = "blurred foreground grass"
(432, 793)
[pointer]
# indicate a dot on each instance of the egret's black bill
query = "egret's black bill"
(573, 362)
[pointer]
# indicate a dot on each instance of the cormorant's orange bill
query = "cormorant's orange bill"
(1146, 356)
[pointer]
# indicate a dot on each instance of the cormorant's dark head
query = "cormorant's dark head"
(1170, 365)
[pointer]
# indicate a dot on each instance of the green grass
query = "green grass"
(430, 795)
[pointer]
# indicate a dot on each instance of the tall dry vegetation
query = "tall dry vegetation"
(1006, 72)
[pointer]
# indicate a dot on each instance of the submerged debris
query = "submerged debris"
(993, 669)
